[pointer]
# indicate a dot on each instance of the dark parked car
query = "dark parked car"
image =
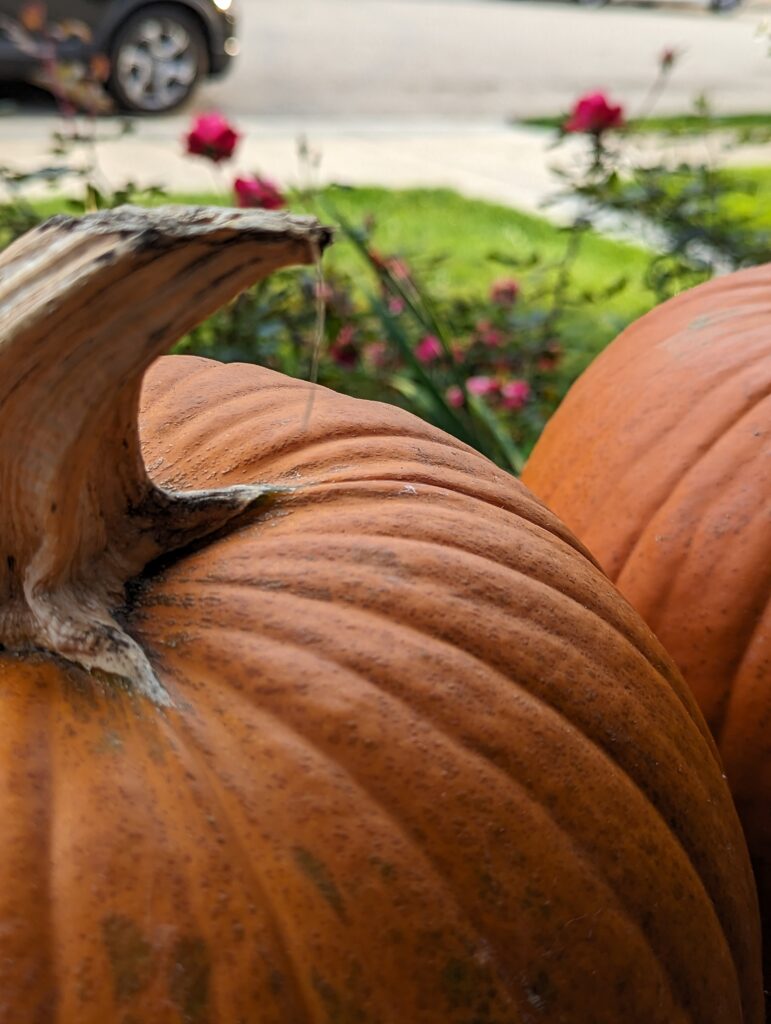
(157, 52)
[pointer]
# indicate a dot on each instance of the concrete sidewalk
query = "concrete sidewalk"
(509, 165)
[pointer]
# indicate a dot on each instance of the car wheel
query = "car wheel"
(158, 55)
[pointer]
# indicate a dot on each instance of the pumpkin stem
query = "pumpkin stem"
(85, 306)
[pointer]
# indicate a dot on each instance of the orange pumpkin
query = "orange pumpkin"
(659, 460)
(385, 747)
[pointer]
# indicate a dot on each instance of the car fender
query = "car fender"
(213, 27)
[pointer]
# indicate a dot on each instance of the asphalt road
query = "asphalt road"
(484, 59)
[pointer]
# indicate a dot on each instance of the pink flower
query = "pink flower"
(482, 386)
(515, 394)
(593, 114)
(454, 396)
(487, 334)
(343, 350)
(376, 353)
(429, 349)
(491, 337)
(504, 292)
(395, 305)
(212, 136)
(398, 268)
(258, 192)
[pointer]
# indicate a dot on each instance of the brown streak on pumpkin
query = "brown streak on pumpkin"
(131, 956)
(315, 870)
(188, 979)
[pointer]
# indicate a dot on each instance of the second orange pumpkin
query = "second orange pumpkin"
(660, 460)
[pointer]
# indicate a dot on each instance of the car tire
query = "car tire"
(157, 58)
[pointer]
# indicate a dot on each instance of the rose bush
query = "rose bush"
(489, 369)
(683, 211)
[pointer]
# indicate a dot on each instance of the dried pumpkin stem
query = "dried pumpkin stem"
(85, 307)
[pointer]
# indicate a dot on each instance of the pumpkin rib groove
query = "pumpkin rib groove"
(325, 756)
(193, 434)
(742, 637)
(640, 357)
(581, 855)
(184, 377)
(408, 624)
(31, 804)
(686, 541)
(672, 682)
(539, 699)
(671, 489)
(48, 881)
(694, 467)
(532, 527)
(413, 428)
(549, 525)
(722, 719)
(406, 621)
(610, 381)
(636, 355)
(657, 606)
(181, 733)
(658, 613)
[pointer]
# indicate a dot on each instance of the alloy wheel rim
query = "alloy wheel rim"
(157, 64)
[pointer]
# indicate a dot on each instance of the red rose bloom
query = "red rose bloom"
(258, 192)
(212, 136)
(593, 114)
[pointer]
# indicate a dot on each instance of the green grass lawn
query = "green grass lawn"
(455, 241)
(751, 195)
(465, 244)
(677, 124)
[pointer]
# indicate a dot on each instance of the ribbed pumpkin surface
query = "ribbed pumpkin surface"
(660, 460)
(424, 764)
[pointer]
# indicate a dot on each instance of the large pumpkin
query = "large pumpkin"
(386, 747)
(660, 460)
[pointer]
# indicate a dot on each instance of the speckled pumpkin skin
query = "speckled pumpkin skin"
(660, 460)
(424, 765)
